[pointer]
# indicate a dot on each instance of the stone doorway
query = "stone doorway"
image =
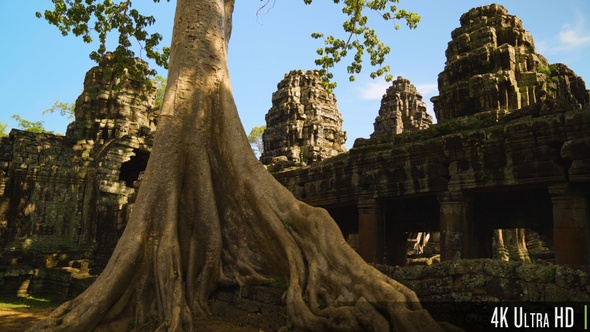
(131, 169)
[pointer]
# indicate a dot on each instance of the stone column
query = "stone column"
(571, 227)
(395, 240)
(370, 238)
(456, 231)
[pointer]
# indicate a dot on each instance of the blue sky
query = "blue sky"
(38, 66)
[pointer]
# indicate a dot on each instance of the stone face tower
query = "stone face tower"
(104, 112)
(492, 66)
(303, 124)
(402, 109)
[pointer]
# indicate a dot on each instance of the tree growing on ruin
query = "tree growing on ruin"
(27, 125)
(208, 213)
(160, 82)
(3, 128)
(255, 138)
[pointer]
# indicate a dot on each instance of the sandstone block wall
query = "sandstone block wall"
(42, 176)
(465, 292)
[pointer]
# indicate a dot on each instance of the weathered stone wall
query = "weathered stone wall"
(465, 292)
(62, 195)
(478, 153)
(493, 280)
(303, 124)
(402, 109)
(43, 184)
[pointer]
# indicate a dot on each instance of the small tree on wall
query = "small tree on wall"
(32, 126)
(255, 139)
(3, 128)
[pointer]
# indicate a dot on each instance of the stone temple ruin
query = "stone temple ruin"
(303, 125)
(508, 159)
(402, 110)
(505, 168)
(67, 198)
(492, 65)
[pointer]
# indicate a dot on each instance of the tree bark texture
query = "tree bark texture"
(208, 214)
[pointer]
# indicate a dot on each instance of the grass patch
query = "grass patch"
(9, 302)
(277, 283)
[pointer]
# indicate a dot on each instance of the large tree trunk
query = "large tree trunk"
(208, 213)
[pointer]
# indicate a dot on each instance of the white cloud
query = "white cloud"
(574, 36)
(374, 90)
(427, 89)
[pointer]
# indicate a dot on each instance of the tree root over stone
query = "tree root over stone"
(209, 214)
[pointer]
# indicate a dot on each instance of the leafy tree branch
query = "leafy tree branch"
(255, 138)
(362, 38)
(32, 126)
(3, 128)
(64, 109)
(90, 19)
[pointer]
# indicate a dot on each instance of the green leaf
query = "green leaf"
(361, 38)
(32, 126)
(94, 19)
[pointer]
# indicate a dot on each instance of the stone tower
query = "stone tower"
(492, 66)
(402, 109)
(303, 124)
(105, 111)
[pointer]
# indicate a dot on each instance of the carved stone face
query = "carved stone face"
(125, 108)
